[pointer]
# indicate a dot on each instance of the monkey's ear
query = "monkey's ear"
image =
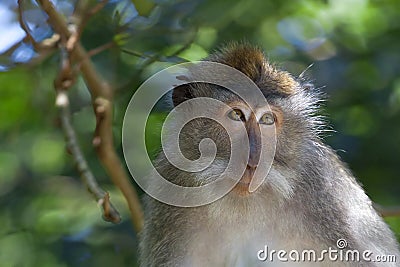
(181, 93)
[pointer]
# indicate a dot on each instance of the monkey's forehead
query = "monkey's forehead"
(226, 95)
(251, 61)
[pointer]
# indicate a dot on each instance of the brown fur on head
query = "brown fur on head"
(252, 62)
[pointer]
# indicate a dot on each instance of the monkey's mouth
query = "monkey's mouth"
(242, 187)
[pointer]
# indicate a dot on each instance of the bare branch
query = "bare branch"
(45, 46)
(73, 38)
(103, 141)
(103, 198)
(80, 18)
(184, 47)
(134, 53)
(101, 94)
(23, 24)
(100, 49)
(64, 80)
(99, 6)
(56, 20)
(173, 58)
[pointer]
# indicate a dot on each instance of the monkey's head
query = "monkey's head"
(291, 109)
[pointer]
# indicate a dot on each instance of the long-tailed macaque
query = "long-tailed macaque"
(309, 200)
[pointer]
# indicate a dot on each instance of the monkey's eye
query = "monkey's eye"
(268, 119)
(236, 115)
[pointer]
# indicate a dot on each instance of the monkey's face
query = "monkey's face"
(259, 123)
(289, 109)
(289, 115)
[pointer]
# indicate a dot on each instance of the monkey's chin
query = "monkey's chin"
(242, 187)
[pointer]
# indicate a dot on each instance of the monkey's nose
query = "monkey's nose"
(252, 165)
(254, 135)
(254, 156)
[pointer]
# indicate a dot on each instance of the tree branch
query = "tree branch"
(103, 198)
(100, 49)
(103, 141)
(23, 24)
(64, 80)
(101, 94)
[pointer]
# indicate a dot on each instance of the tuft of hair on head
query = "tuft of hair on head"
(252, 62)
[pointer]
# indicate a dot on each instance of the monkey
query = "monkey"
(309, 200)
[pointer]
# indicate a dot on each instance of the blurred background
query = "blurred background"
(47, 218)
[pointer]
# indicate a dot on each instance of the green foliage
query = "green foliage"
(46, 216)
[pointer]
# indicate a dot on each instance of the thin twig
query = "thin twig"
(64, 80)
(100, 49)
(135, 53)
(101, 94)
(185, 46)
(81, 17)
(103, 199)
(155, 57)
(46, 46)
(149, 59)
(92, 53)
(43, 48)
(99, 6)
(23, 24)
(103, 141)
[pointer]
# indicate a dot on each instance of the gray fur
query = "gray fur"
(309, 200)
